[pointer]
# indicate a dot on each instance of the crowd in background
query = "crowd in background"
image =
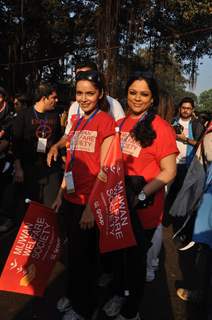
(167, 160)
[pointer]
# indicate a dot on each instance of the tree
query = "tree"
(36, 37)
(43, 39)
(168, 71)
(205, 101)
(180, 28)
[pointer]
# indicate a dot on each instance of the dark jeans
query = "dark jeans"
(210, 286)
(8, 194)
(176, 186)
(129, 267)
(41, 184)
(171, 196)
(10, 201)
(203, 268)
(83, 260)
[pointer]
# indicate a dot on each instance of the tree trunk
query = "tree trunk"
(107, 42)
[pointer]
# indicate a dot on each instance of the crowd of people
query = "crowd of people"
(45, 162)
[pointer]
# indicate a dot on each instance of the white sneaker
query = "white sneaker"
(188, 246)
(113, 306)
(72, 315)
(120, 317)
(150, 275)
(63, 304)
(155, 264)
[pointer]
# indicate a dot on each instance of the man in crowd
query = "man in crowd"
(35, 130)
(188, 132)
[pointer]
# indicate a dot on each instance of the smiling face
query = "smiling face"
(87, 95)
(139, 97)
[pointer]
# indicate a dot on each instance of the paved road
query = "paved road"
(160, 301)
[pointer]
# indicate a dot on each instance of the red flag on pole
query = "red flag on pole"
(34, 252)
(109, 204)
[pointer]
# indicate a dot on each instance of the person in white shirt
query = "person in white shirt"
(115, 110)
(188, 133)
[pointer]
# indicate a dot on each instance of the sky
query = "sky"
(204, 79)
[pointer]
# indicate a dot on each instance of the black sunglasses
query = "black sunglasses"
(89, 75)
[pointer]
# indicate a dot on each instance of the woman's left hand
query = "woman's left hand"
(87, 220)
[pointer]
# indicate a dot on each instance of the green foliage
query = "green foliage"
(43, 39)
(205, 101)
(191, 9)
(169, 73)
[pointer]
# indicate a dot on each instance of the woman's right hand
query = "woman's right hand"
(52, 155)
(58, 201)
(87, 220)
(19, 175)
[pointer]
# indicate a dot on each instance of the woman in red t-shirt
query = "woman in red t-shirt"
(149, 151)
(87, 145)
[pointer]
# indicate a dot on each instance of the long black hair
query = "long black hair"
(143, 131)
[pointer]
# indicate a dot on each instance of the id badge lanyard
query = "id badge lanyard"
(42, 140)
(68, 175)
(74, 144)
(43, 123)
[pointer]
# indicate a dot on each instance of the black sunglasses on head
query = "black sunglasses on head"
(88, 75)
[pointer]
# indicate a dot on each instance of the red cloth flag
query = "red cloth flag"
(34, 252)
(109, 204)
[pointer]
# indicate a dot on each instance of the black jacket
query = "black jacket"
(197, 127)
(26, 130)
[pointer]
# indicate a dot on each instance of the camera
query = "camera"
(178, 128)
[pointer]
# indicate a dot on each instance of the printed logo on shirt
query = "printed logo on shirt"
(129, 145)
(40, 121)
(43, 131)
(84, 140)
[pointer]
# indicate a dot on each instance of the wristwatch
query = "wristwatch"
(142, 196)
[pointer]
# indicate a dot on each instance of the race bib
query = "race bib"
(69, 182)
(129, 145)
(41, 146)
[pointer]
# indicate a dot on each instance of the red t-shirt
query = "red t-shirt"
(87, 142)
(146, 162)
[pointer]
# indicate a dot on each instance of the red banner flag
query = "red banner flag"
(33, 254)
(109, 204)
